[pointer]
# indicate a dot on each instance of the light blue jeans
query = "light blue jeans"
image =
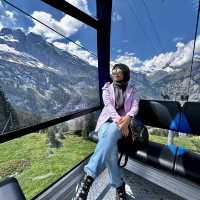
(106, 154)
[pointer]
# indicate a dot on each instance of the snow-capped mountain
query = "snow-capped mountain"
(177, 83)
(172, 80)
(150, 70)
(42, 79)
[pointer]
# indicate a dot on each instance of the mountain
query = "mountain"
(176, 84)
(171, 80)
(41, 79)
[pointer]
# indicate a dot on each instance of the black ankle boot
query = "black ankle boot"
(121, 193)
(82, 188)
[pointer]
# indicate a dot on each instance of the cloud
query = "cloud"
(128, 59)
(7, 17)
(77, 51)
(60, 45)
(119, 50)
(81, 4)
(178, 39)
(9, 14)
(67, 25)
(159, 61)
(182, 55)
(116, 17)
(1, 4)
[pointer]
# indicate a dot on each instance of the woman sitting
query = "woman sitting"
(120, 105)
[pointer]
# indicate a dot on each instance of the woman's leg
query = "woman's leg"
(114, 170)
(108, 134)
(91, 169)
(96, 163)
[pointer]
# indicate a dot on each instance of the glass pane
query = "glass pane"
(38, 159)
(43, 75)
(194, 88)
(156, 45)
(55, 19)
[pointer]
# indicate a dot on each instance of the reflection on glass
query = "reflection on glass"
(38, 159)
(42, 74)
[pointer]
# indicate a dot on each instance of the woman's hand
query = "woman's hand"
(123, 123)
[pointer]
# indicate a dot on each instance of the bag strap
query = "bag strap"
(125, 159)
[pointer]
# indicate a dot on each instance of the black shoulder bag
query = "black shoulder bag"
(137, 139)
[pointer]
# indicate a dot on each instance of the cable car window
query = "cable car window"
(155, 39)
(39, 159)
(46, 70)
(194, 79)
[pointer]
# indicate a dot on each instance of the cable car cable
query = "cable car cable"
(153, 24)
(67, 38)
(140, 25)
(193, 51)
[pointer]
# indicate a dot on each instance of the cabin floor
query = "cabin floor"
(137, 188)
(142, 183)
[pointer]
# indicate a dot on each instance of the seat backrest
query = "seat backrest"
(157, 155)
(187, 164)
(10, 190)
(190, 118)
(161, 114)
(171, 158)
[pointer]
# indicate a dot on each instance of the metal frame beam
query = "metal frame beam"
(104, 10)
(24, 131)
(71, 10)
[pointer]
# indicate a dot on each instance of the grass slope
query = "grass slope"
(35, 165)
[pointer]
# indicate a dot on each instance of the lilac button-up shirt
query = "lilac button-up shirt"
(131, 104)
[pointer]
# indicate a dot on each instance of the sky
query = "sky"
(144, 33)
